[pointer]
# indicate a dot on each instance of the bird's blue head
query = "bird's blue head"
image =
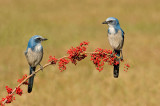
(111, 21)
(35, 40)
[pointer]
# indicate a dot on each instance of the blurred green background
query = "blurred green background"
(66, 23)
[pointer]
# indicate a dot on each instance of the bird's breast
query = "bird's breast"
(116, 40)
(34, 57)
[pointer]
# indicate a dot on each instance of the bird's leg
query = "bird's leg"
(121, 56)
(41, 67)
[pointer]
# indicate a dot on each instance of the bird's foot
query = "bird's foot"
(121, 58)
(41, 67)
(33, 72)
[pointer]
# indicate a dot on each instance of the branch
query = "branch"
(99, 57)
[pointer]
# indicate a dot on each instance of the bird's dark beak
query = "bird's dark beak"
(44, 39)
(105, 22)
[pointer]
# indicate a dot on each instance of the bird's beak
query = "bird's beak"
(44, 39)
(105, 22)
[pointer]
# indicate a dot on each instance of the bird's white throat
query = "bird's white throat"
(112, 30)
(38, 47)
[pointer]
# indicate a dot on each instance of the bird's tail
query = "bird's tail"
(116, 67)
(31, 79)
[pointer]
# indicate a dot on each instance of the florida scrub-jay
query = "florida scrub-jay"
(34, 55)
(116, 39)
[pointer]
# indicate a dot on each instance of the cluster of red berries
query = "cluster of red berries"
(19, 91)
(62, 64)
(20, 80)
(101, 56)
(9, 90)
(53, 60)
(9, 98)
(77, 53)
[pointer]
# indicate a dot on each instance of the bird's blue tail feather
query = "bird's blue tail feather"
(31, 79)
(116, 67)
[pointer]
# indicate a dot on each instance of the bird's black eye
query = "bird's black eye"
(110, 21)
(38, 38)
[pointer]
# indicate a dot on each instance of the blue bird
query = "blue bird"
(34, 55)
(116, 40)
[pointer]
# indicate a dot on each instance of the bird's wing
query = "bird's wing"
(122, 37)
(123, 33)
(25, 53)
